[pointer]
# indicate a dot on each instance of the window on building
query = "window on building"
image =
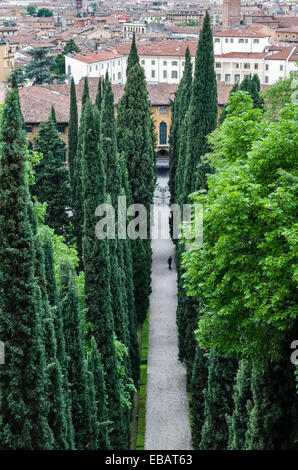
(256, 66)
(267, 67)
(216, 39)
(90, 68)
(69, 69)
(278, 35)
(237, 78)
(113, 77)
(102, 66)
(164, 74)
(163, 111)
(28, 129)
(228, 78)
(281, 67)
(152, 62)
(240, 41)
(218, 77)
(164, 62)
(266, 79)
(152, 73)
(96, 67)
(118, 62)
(247, 66)
(61, 128)
(163, 133)
(174, 62)
(286, 35)
(63, 157)
(246, 41)
(119, 75)
(256, 41)
(183, 63)
(174, 74)
(217, 65)
(231, 40)
(226, 39)
(143, 62)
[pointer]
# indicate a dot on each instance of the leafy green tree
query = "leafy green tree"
(198, 385)
(133, 57)
(69, 48)
(202, 112)
(38, 70)
(239, 420)
(135, 141)
(98, 270)
(23, 408)
(218, 402)
(249, 235)
(31, 10)
(280, 94)
(52, 181)
(72, 131)
(44, 13)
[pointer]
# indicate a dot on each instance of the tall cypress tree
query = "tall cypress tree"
(77, 189)
(96, 368)
(85, 94)
(52, 293)
(53, 115)
(98, 270)
(51, 180)
(239, 419)
(98, 98)
(218, 402)
(72, 131)
(179, 108)
(23, 406)
(133, 57)
(198, 385)
(135, 141)
(74, 342)
(203, 112)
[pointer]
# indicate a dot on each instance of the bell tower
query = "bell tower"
(231, 13)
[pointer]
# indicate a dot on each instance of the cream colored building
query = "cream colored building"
(6, 61)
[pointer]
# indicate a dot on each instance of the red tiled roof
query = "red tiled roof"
(241, 33)
(98, 56)
(241, 55)
(280, 55)
(161, 48)
(36, 101)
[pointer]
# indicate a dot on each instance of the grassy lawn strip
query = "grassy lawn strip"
(143, 388)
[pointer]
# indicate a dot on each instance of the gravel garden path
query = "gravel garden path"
(167, 410)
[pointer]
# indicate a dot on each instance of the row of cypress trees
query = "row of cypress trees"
(233, 404)
(72, 353)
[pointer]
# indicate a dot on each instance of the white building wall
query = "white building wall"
(228, 44)
(116, 69)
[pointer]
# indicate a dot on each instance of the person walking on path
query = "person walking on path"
(170, 259)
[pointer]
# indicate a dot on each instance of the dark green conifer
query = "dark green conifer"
(77, 189)
(53, 115)
(218, 402)
(51, 180)
(72, 131)
(198, 385)
(98, 98)
(74, 343)
(98, 270)
(96, 368)
(135, 141)
(238, 421)
(23, 404)
(203, 112)
(133, 57)
(179, 107)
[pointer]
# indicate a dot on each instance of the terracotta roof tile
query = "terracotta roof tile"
(92, 57)
(241, 33)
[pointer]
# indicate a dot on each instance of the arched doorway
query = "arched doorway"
(163, 137)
